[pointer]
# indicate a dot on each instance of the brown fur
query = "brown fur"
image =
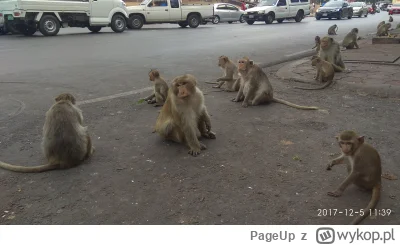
(380, 24)
(333, 30)
(66, 143)
(363, 167)
(317, 40)
(160, 92)
(325, 73)
(350, 40)
(330, 51)
(255, 88)
(383, 30)
(184, 117)
(230, 77)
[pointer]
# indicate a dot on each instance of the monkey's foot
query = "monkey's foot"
(209, 135)
(216, 86)
(245, 105)
(335, 193)
(203, 146)
(235, 100)
(156, 105)
(195, 152)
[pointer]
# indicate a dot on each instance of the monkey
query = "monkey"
(184, 117)
(65, 142)
(230, 77)
(390, 19)
(317, 40)
(256, 88)
(350, 40)
(325, 73)
(383, 30)
(380, 24)
(333, 30)
(330, 51)
(363, 167)
(160, 92)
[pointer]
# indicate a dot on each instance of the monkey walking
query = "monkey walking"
(66, 143)
(255, 88)
(364, 168)
(333, 30)
(350, 40)
(325, 73)
(160, 91)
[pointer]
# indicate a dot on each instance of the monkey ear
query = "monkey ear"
(251, 62)
(337, 137)
(361, 139)
(225, 58)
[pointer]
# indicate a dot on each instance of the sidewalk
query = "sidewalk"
(373, 69)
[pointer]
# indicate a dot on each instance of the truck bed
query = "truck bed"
(45, 5)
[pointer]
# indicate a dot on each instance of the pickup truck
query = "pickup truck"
(48, 16)
(168, 11)
(279, 10)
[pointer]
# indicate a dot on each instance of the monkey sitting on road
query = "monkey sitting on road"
(255, 88)
(364, 169)
(184, 117)
(380, 24)
(390, 19)
(383, 30)
(66, 143)
(230, 77)
(350, 40)
(317, 40)
(330, 51)
(325, 73)
(160, 92)
(333, 30)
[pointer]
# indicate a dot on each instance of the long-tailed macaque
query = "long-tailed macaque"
(330, 51)
(390, 19)
(255, 88)
(230, 77)
(325, 73)
(317, 40)
(383, 30)
(184, 117)
(350, 40)
(160, 92)
(333, 30)
(363, 167)
(66, 143)
(380, 24)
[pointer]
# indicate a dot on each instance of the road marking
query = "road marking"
(114, 96)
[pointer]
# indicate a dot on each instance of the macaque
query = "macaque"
(230, 77)
(390, 19)
(350, 40)
(255, 88)
(317, 44)
(380, 24)
(325, 73)
(333, 30)
(330, 51)
(383, 30)
(363, 167)
(160, 92)
(66, 143)
(184, 117)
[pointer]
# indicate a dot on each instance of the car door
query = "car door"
(175, 11)
(100, 10)
(223, 12)
(157, 10)
(282, 9)
(234, 13)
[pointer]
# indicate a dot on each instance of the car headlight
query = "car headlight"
(261, 11)
(318, 10)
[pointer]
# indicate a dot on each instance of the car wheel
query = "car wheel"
(299, 16)
(94, 28)
(317, 17)
(269, 19)
(135, 22)
(366, 15)
(118, 23)
(28, 30)
(194, 20)
(241, 19)
(49, 25)
(216, 20)
(250, 22)
(339, 17)
(183, 24)
(230, 22)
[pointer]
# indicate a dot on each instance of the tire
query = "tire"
(366, 15)
(94, 29)
(11, 27)
(269, 19)
(250, 22)
(360, 16)
(183, 24)
(135, 22)
(241, 19)
(49, 25)
(350, 16)
(299, 16)
(216, 20)
(340, 15)
(230, 22)
(118, 23)
(204, 23)
(194, 20)
(28, 30)
(317, 18)
(279, 20)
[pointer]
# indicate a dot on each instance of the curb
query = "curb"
(380, 90)
(288, 59)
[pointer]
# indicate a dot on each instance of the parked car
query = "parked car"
(335, 9)
(225, 12)
(359, 9)
(395, 9)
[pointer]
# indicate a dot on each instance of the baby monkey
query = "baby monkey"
(160, 92)
(363, 167)
(317, 40)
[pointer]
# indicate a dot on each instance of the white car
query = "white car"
(225, 12)
(359, 9)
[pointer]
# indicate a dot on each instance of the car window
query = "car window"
(345, 4)
(281, 3)
(231, 7)
(174, 3)
(158, 3)
(222, 6)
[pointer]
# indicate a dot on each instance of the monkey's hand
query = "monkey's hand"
(329, 166)
(210, 135)
(195, 151)
(336, 193)
(235, 100)
(151, 101)
(245, 104)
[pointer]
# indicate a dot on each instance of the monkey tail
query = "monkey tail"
(317, 88)
(23, 169)
(376, 194)
(337, 68)
(294, 105)
(211, 82)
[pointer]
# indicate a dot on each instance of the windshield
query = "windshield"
(145, 2)
(356, 4)
(333, 4)
(266, 3)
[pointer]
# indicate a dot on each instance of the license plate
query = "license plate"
(324, 14)
(251, 16)
(10, 17)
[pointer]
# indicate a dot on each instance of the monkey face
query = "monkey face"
(184, 86)
(153, 74)
(326, 42)
(244, 64)
(349, 142)
(66, 96)
(317, 39)
(222, 60)
(315, 60)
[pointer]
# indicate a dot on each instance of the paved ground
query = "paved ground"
(267, 165)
